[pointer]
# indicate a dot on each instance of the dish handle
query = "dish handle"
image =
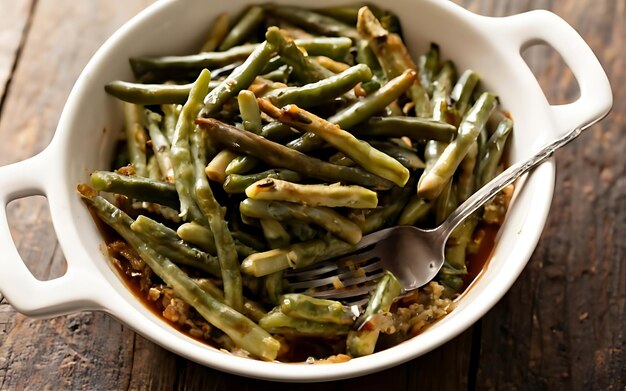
(27, 294)
(540, 26)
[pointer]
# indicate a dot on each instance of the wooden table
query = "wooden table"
(561, 326)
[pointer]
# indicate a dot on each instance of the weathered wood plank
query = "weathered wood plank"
(56, 353)
(14, 17)
(561, 325)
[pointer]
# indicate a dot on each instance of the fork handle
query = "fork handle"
(507, 177)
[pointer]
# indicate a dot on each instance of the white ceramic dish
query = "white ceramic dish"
(490, 46)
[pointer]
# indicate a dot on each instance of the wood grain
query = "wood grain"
(559, 327)
(14, 21)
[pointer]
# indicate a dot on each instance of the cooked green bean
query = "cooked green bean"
(238, 183)
(238, 80)
(419, 129)
(362, 341)
(214, 213)
(368, 157)
(359, 111)
(429, 67)
(303, 67)
(296, 256)
(135, 137)
(277, 322)
(462, 91)
(326, 218)
(316, 310)
(166, 242)
(493, 152)
(320, 92)
(216, 169)
(181, 153)
(334, 195)
(279, 156)
(393, 56)
(466, 179)
(405, 156)
(312, 21)
(218, 32)
(160, 145)
(433, 182)
(170, 117)
(137, 188)
(252, 18)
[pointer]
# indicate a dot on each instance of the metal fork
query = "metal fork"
(412, 254)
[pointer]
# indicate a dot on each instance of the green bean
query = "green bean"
(341, 159)
(462, 91)
(181, 154)
(359, 111)
(214, 213)
(442, 87)
(165, 241)
(345, 14)
(335, 48)
(202, 237)
(428, 64)
(388, 214)
(457, 244)
(250, 113)
(241, 165)
(278, 323)
(326, 218)
(276, 131)
(306, 307)
(135, 187)
(296, 256)
(446, 202)
(277, 155)
(323, 91)
(304, 68)
(312, 21)
(313, 195)
(170, 65)
(238, 183)
(277, 237)
(242, 330)
(160, 145)
(405, 156)
(281, 74)
(252, 18)
(238, 80)
(218, 32)
(361, 152)
(415, 211)
(393, 56)
(362, 342)
(300, 231)
(493, 152)
(197, 235)
(170, 117)
(331, 65)
(251, 309)
(216, 169)
(135, 137)
(418, 129)
(433, 182)
(466, 179)
(148, 94)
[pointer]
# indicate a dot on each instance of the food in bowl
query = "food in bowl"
(275, 149)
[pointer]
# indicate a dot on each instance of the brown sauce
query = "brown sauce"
(300, 348)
